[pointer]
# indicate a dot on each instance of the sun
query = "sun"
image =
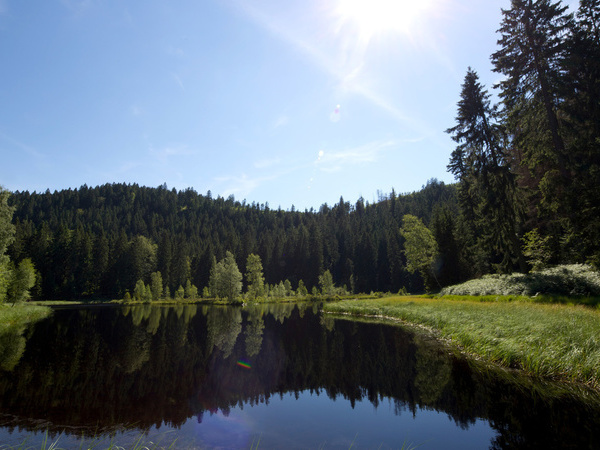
(373, 17)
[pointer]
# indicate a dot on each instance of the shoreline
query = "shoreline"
(551, 347)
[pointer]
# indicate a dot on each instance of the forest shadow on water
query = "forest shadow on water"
(283, 374)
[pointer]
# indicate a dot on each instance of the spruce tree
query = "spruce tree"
(486, 183)
(581, 92)
(530, 55)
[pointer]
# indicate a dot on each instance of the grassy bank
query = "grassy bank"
(20, 315)
(550, 340)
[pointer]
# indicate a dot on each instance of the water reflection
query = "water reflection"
(94, 369)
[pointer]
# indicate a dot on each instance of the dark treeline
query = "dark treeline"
(529, 168)
(97, 242)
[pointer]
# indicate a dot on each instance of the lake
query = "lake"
(269, 376)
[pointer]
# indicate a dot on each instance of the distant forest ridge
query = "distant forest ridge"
(97, 242)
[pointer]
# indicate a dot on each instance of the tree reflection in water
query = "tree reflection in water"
(142, 366)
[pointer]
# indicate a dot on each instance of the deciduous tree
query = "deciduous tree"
(226, 279)
(22, 280)
(254, 276)
(420, 249)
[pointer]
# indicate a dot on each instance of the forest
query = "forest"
(98, 242)
(527, 195)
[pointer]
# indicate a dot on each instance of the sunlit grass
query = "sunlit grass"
(549, 340)
(12, 317)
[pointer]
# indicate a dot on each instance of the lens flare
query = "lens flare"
(244, 364)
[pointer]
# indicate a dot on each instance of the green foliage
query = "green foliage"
(142, 257)
(486, 184)
(191, 291)
(576, 279)
(14, 320)
(420, 248)
(97, 242)
(226, 279)
(139, 293)
(535, 249)
(254, 276)
(7, 229)
(301, 291)
(156, 283)
(326, 283)
(180, 293)
(277, 290)
(288, 288)
(22, 279)
(7, 235)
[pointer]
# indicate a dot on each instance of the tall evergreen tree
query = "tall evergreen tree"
(532, 49)
(530, 55)
(581, 92)
(487, 187)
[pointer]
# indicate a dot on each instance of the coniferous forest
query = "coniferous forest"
(97, 242)
(527, 195)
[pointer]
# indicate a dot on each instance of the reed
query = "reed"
(97, 443)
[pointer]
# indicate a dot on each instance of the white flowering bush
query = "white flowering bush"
(573, 279)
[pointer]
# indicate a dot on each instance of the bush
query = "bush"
(574, 279)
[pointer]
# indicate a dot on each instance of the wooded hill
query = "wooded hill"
(97, 242)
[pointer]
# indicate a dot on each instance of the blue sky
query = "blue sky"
(290, 102)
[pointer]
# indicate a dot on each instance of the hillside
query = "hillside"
(96, 242)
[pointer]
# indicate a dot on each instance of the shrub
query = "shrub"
(574, 279)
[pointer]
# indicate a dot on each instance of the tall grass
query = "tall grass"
(14, 317)
(554, 341)
(97, 443)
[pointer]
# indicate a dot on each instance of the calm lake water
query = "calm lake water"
(270, 376)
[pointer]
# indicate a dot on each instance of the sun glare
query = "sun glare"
(377, 16)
